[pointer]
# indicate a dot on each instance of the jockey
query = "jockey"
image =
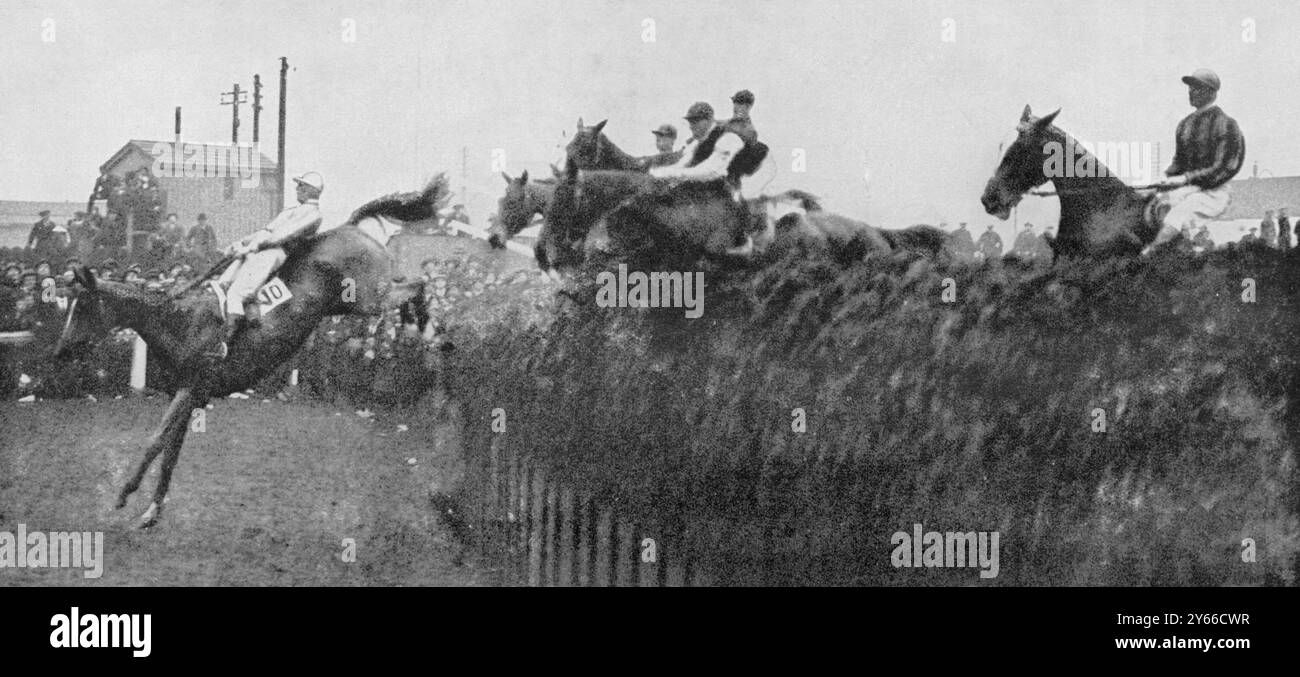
(741, 103)
(1210, 151)
(262, 252)
(711, 154)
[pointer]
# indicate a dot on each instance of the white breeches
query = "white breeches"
(247, 275)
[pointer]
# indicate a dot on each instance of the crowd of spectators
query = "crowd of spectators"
(358, 358)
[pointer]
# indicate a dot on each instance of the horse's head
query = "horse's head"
(1021, 168)
(514, 211)
(587, 148)
(87, 321)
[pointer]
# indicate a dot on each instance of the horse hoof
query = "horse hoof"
(149, 518)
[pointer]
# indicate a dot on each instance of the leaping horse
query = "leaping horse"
(1100, 215)
(591, 149)
(341, 271)
(523, 200)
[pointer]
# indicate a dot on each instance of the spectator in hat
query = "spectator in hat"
(665, 139)
(1210, 149)
(42, 239)
(172, 235)
(1251, 237)
(201, 241)
(1283, 229)
(13, 275)
(108, 269)
(43, 268)
(963, 244)
(1026, 245)
(990, 245)
(1268, 229)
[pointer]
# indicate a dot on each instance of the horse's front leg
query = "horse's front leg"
(168, 438)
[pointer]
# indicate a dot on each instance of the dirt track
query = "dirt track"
(264, 497)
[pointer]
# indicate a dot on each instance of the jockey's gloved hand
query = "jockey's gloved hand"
(240, 248)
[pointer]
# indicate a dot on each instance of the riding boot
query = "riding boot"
(234, 323)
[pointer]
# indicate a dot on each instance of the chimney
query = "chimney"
(1254, 170)
(178, 124)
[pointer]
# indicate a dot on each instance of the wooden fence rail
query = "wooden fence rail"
(539, 531)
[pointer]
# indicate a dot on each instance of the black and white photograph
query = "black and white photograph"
(645, 293)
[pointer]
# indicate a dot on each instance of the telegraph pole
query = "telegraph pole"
(279, 157)
(257, 106)
(237, 97)
(464, 173)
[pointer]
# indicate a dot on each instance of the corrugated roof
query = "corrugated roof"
(146, 146)
(1252, 197)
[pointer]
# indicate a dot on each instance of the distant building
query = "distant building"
(1251, 197)
(1254, 196)
(237, 204)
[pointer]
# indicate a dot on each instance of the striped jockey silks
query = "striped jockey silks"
(1210, 148)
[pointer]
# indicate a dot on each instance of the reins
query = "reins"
(1087, 191)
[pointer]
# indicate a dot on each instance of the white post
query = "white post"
(293, 377)
(139, 358)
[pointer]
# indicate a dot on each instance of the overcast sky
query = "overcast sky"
(896, 124)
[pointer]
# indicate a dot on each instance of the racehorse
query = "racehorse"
(796, 218)
(340, 271)
(1100, 215)
(591, 149)
(642, 216)
(517, 207)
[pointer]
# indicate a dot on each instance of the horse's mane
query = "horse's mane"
(151, 298)
(608, 155)
(1077, 150)
(409, 206)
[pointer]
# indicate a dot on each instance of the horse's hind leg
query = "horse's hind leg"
(167, 438)
(176, 430)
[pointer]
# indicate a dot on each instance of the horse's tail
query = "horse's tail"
(407, 207)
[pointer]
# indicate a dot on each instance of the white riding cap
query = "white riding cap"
(311, 179)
